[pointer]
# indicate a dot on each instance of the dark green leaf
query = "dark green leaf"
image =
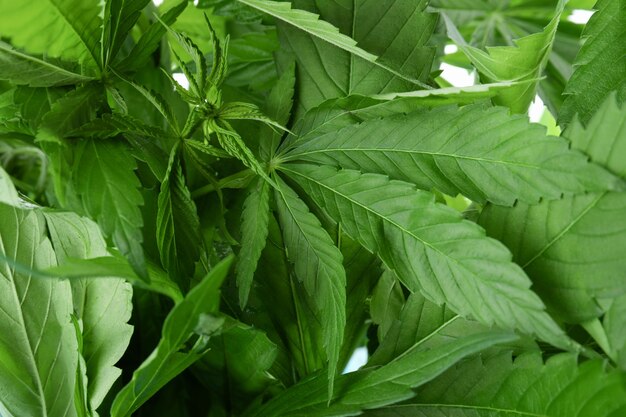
(186, 332)
(178, 226)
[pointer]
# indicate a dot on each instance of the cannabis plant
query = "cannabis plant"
(206, 209)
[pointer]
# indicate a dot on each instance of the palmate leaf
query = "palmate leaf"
(106, 183)
(500, 387)
(119, 18)
(525, 60)
(38, 359)
(430, 248)
(186, 332)
(600, 66)
(23, 69)
(318, 264)
(178, 225)
(373, 388)
(482, 153)
(254, 228)
(573, 249)
(102, 305)
(393, 32)
(73, 27)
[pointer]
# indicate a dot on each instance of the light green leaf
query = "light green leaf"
(178, 225)
(116, 266)
(103, 306)
(108, 188)
(38, 346)
(386, 303)
(119, 18)
(20, 68)
(573, 248)
(254, 228)
(186, 332)
(600, 66)
(373, 388)
(246, 111)
(393, 32)
(318, 265)
(8, 193)
(483, 153)
(525, 60)
(500, 387)
(430, 248)
(74, 27)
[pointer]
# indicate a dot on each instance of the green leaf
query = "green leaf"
(186, 332)
(573, 248)
(244, 354)
(116, 266)
(8, 193)
(500, 387)
(373, 388)
(392, 54)
(614, 324)
(103, 306)
(525, 60)
(482, 153)
(232, 143)
(150, 40)
(335, 114)
(254, 228)
(119, 18)
(74, 27)
(38, 343)
(600, 67)
(20, 68)
(178, 225)
(430, 248)
(318, 265)
(278, 107)
(310, 23)
(108, 188)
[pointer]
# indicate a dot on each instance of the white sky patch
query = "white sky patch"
(536, 110)
(580, 16)
(157, 3)
(357, 360)
(182, 80)
(458, 77)
(450, 49)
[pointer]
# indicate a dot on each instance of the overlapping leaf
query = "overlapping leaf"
(373, 388)
(525, 60)
(23, 69)
(484, 154)
(72, 27)
(573, 249)
(391, 55)
(178, 226)
(430, 248)
(186, 332)
(38, 346)
(600, 66)
(318, 264)
(103, 305)
(119, 18)
(108, 187)
(499, 387)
